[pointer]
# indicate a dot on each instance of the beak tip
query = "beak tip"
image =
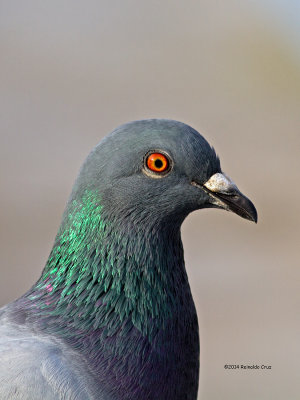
(252, 212)
(244, 208)
(254, 219)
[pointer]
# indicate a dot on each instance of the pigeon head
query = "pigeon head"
(158, 171)
(114, 293)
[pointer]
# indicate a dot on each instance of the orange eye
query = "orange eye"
(157, 162)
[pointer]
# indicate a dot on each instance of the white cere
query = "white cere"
(220, 183)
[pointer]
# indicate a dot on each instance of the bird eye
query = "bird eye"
(157, 162)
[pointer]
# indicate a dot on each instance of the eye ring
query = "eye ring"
(157, 163)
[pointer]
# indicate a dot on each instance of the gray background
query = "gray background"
(71, 71)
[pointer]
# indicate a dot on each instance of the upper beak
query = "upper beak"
(225, 194)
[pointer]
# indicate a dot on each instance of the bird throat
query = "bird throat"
(108, 273)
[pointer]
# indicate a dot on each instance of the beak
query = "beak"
(225, 194)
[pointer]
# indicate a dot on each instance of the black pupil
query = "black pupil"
(158, 163)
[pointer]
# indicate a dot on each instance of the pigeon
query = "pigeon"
(112, 316)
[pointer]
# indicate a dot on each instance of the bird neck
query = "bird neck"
(103, 272)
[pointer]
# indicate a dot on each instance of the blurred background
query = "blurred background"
(71, 71)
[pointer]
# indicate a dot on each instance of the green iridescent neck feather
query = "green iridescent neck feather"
(103, 272)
